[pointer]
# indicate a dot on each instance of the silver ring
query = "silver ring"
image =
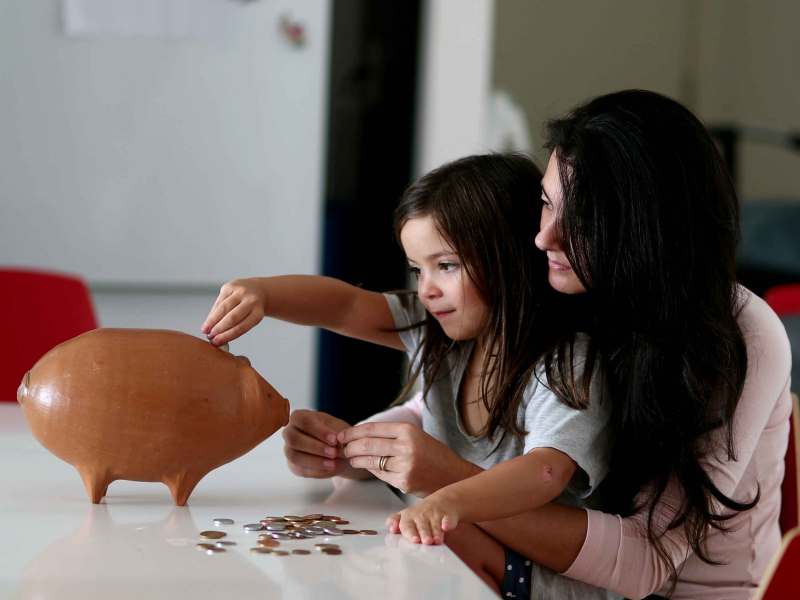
(382, 463)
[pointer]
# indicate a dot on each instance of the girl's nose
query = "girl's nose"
(426, 288)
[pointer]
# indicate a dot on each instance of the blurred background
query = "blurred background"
(158, 148)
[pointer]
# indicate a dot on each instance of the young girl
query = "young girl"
(474, 330)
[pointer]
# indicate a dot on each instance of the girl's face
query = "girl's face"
(560, 274)
(443, 286)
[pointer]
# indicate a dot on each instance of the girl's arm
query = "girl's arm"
(512, 487)
(303, 299)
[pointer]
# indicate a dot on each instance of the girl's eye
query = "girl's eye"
(414, 272)
(448, 267)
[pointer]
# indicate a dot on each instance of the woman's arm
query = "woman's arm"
(303, 299)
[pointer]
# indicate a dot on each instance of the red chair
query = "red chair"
(38, 310)
(785, 301)
(781, 581)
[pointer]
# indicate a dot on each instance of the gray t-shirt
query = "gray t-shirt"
(581, 434)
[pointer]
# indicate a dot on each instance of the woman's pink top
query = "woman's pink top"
(616, 554)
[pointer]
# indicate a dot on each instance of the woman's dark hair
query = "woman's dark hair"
(487, 208)
(650, 224)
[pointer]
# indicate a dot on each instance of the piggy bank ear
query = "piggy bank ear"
(244, 359)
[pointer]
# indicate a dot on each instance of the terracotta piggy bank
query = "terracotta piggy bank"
(147, 405)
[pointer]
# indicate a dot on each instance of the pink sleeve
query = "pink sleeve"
(616, 554)
(408, 412)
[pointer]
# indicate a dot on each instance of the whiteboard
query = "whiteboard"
(163, 159)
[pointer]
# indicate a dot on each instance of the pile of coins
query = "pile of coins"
(285, 528)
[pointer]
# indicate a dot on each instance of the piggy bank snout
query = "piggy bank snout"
(22, 390)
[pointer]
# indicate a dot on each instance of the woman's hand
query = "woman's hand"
(427, 521)
(411, 460)
(311, 447)
(238, 308)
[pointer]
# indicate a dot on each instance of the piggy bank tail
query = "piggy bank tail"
(22, 390)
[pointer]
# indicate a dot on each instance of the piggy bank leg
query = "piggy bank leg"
(96, 483)
(181, 485)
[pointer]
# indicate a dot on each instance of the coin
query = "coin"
(351, 531)
(260, 550)
(214, 550)
(293, 517)
(253, 527)
(332, 551)
(314, 530)
(333, 531)
(280, 535)
(280, 553)
(268, 542)
(323, 523)
(301, 551)
(223, 543)
(223, 522)
(368, 532)
(212, 535)
(204, 546)
(275, 526)
(274, 519)
(323, 546)
(342, 522)
(313, 517)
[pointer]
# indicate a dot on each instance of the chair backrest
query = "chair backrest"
(38, 310)
(781, 580)
(784, 299)
(790, 488)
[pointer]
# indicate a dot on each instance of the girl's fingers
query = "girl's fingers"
(449, 522)
(409, 530)
(319, 425)
(235, 313)
(424, 530)
(250, 321)
(216, 312)
(393, 523)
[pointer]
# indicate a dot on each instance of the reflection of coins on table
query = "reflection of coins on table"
(260, 550)
(204, 546)
(280, 553)
(212, 535)
(223, 522)
(223, 543)
(301, 551)
(324, 546)
(331, 551)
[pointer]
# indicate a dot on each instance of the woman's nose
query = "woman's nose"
(547, 238)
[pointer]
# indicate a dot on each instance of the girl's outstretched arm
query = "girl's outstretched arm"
(303, 299)
(512, 487)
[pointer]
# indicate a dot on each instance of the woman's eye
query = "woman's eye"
(448, 267)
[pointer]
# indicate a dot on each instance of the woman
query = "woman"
(640, 225)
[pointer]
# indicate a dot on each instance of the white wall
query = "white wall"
(158, 167)
(454, 84)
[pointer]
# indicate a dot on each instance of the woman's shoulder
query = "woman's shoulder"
(761, 326)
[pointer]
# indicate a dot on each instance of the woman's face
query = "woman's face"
(560, 274)
(443, 285)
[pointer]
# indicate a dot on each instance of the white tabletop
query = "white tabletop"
(136, 544)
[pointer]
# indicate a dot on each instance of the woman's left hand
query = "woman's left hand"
(404, 456)
(427, 521)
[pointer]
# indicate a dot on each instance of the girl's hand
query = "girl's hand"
(238, 308)
(427, 521)
(311, 447)
(413, 461)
